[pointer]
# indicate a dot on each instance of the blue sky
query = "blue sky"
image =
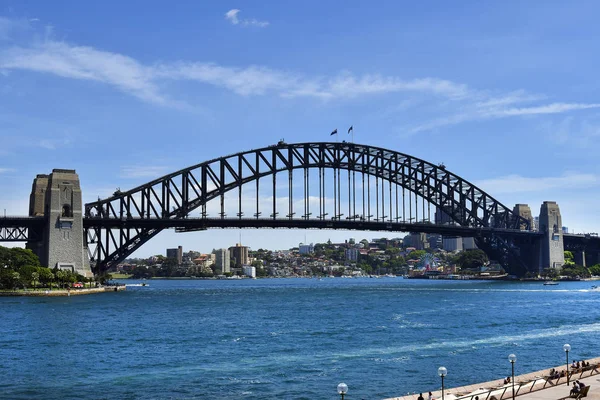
(504, 93)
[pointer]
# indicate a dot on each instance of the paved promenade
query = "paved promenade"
(531, 386)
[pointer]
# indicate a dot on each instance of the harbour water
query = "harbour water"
(288, 338)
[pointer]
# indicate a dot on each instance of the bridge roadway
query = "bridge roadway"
(21, 229)
(196, 224)
(15, 228)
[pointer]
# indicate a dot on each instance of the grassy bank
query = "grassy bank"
(121, 276)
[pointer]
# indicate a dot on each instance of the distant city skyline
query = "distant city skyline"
(504, 94)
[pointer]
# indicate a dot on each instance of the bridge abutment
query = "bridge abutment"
(58, 198)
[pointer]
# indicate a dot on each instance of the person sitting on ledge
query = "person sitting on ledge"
(556, 374)
(574, 390)
(507, 380)
(578, 365)
(430, 396)
(420, 397)
(581, 385)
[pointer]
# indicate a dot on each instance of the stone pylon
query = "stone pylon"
(552, 248)
(57, 197)
(524, 211)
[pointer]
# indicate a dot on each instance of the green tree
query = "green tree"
(45, 276)
(35, 277)
(416, 254)
(574, 271)
(550, 273)
(472, 259)
(61, 276)
(27, 272)
(9, 279)
(569, 259)
(595, 270)
(5, 257)
(21, 257)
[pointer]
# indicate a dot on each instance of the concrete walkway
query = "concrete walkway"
(532, 386)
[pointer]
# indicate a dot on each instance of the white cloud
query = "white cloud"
(232, 16)
(554, 108)
(521, 184)
(4, 170)
(144, 171)
(459, 103)
(496, 107)
(85, 63)
(583, 133)
(53, 144)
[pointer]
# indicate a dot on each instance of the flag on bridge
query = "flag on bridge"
(334, 132)
(351, 129)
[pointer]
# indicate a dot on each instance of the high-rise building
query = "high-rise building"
(352, 254)
(249, 271)
(468, 243)
(176, 254)
(452, 243)
(416, 240)
(306, 248)
(222, 263)
(240, 254)
(435, 241)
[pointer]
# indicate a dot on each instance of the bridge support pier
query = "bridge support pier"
(552, 249)
(580, 257)
(58, 198)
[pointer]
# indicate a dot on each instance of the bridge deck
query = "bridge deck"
(192, 224)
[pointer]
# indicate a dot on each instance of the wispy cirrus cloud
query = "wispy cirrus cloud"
(4, 170)
(85, 63)
(501, 108)
(143, 171)
(521, 184)
(232, 16)
(150, 82)
(582, 133)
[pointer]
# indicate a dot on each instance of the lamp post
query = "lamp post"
(567, 348)
(442, 371)
(342, 389)
(512, 358)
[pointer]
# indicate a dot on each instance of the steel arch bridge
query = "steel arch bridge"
(302, 185)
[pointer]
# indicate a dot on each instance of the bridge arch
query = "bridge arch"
(119, 225)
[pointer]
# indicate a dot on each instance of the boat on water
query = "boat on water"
(550, 283)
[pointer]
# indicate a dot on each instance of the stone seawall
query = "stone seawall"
(63, 292)
(496, 389)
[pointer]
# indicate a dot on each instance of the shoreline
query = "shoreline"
(525, 383)
(62, 292)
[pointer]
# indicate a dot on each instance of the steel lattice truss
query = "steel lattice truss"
(18, 234)
(404, 190)
(21, 229)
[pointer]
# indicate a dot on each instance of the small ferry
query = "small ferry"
(550, 283)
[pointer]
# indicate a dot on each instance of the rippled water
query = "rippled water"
(288, 338)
